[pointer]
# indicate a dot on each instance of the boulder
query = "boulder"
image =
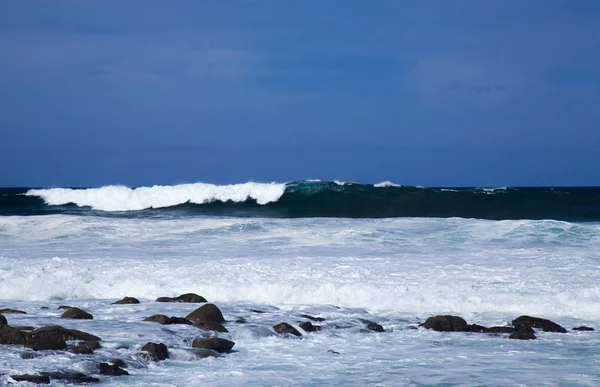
(119, 363)
(76, 313)
(64, 307)
(9, 311)
(66, 334)
(159, 318)
(45, 340)
(36, 379)
(156, 351)
(214, 343)
(316, 319)
(583, 328)
(536, 322)
(286, 328)
(127, 301)
(3, 320)
(179, 320)
(111, 369)
(475, 328)
(445, 323)
(373, 326)
(187, 297)
(309, 327)
(10, 335)
(522, 335)
(29, 355)
(205, 313)
(71, 377)
(211, 326)
(203, 353)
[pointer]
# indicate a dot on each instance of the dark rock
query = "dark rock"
(583, 328)
(240, 320)
(25, 328)
(257, 311)
(119, 363)
(522, 335)
(499, 330)
(64, 307)
(67, 334)
(214, 343)
(536, 322)
(373, 326)
(211, 326)
(15, 311)
(84, 347)
(156, 351)
(76, 313)
(207, 312)
(36, 379)
(203, 353)
(474, 328)
(71, 377)
(309, 327)
(159, 318)
(3, 320)
(44, 307)
(45, 340)
(180, 320)
(334, 352)
(187, 297)
(286, 328)
(10, 335)
(317, 319)
(111, 369)
(29, 355)
(127, 301)
(445, 323)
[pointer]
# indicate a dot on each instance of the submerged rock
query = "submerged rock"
(127, 301)
(316, 319)
(76, 313)
(15, 311)
(286, 328)
(206, 313)
(111, 369)
(309, 327)
(445, 323)
(522, 335)
(156, 351)
(187, 297)
(37, 379)
(64, 307)
(583, 328)
(373, 326)
(214, 343)
(84, 347)
(71, 377)
(179, 320)
(536, 322)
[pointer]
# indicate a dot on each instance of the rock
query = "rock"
(71, 377)
(180, 320)
(44, 307)
(3, 320)
(127, 301)
(536, 322)
(84, 347)
(316, 319)
(445, 323)
(474, 328)
(119, 363)
(499, 330)
(583, 328)
(187, 297)
(522, 335)
(67, 334)
(156, 351)
(64, 307)
(76, 313)
(45, 340)
(25, 328)
(29, 355)
(286, 328)
(309, 327)
(13, 336)
(373, 326)
(159, 318)
(111, 369)
(257, 311)
(15, 311)
(211, 326)
(205, 313)
(214, 343)
(203, 353)
(36, 379)
(240, 320)
(334, 352)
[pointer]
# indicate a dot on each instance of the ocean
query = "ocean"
(348, 253)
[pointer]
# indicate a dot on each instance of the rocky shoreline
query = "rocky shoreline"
(210, 323)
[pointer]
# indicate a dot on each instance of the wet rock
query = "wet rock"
(499, 330)
(66, 334)
(180, 320)
(156, 351)
(211, 326)
(13, 336)
(159, 318)
(36, 379)
(76, 313)
(71, 377)
(25, 328)
(187, 297)
(474, 328)
(240, 320)
(119, 363)
(373, 326)
(286, 328)
(205, 313)
(203, 353)
(214, 343)
(316, 319)
(536, 322)
(45, 340)
(309, 327)
(29, 355)
(3, 320)
(84, 347)
(14, 311)
(257, 311)
(64, 307)
(445, 323)
(127, 301)
(522, 335)
(44, 307)
(334, 352)
(583, 328)
(111, 370)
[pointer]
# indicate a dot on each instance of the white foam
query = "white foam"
(386, 183)
(121, 198)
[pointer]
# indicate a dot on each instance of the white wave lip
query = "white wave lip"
(121, 198)
(385, 184)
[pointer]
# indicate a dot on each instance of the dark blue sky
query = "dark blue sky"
(433, 93)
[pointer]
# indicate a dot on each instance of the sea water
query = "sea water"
(394, 271)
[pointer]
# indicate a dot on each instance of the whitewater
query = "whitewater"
(395, 271)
